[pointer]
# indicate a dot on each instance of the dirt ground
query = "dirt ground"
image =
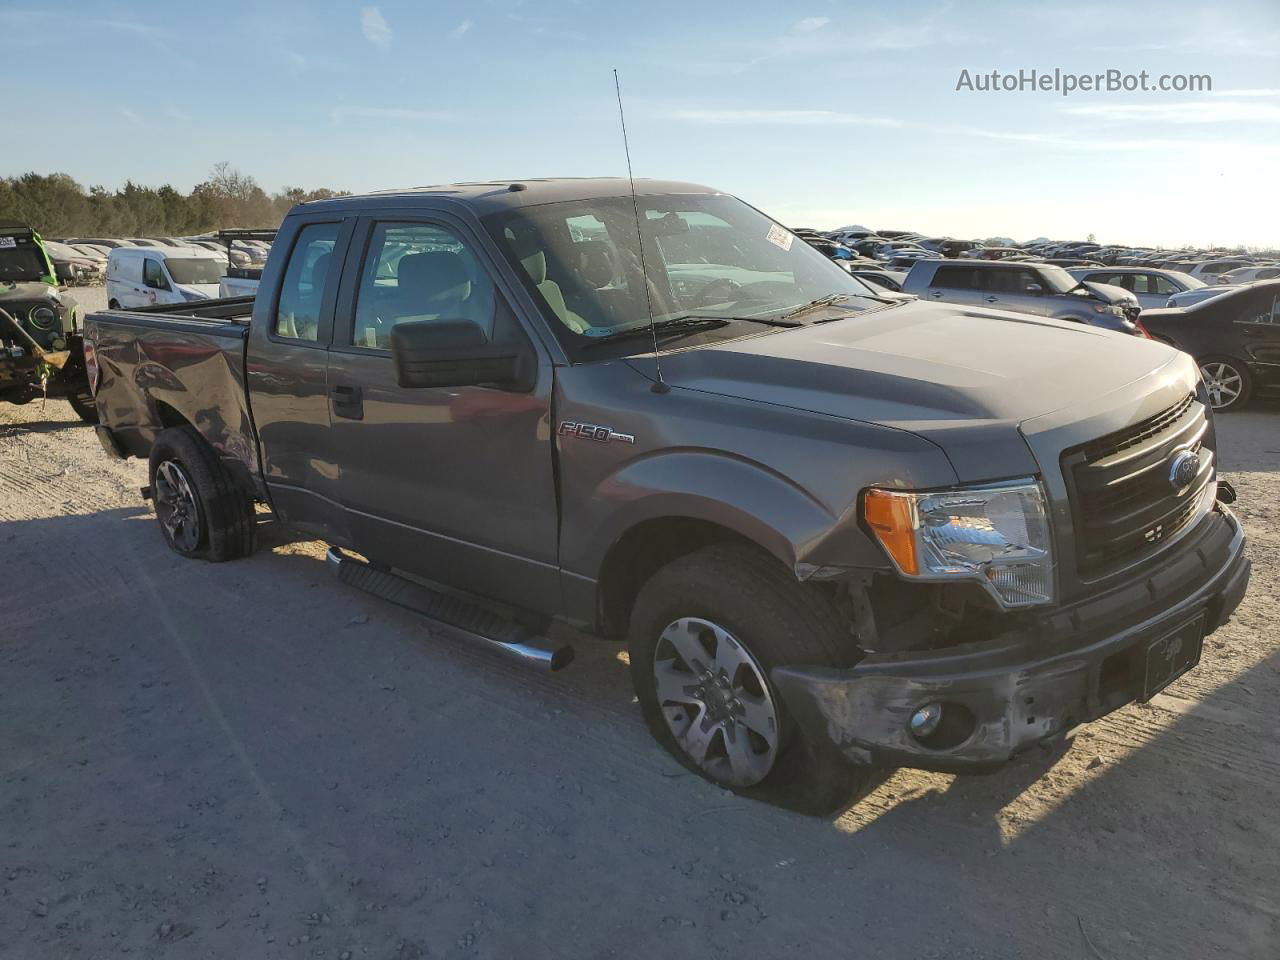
(248, 760)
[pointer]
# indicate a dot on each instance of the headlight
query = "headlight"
(997, 535)
(43, 317)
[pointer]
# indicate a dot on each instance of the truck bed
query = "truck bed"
(163, 367)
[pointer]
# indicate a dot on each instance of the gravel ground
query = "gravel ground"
(249, 760)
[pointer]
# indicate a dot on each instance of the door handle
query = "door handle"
(991, 299)
(348, 402)
(936, 294)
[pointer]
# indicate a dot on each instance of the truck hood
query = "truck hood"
(24, 291)
(965, 379)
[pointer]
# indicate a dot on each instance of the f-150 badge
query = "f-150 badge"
(592, 431)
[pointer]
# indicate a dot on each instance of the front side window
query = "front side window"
(305, 276)
(1011, 281)
(597, 271)
(423, 272)
(153, 275)
(1262, 310)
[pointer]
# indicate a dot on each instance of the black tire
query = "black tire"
(222, 515)
(113, 305)
(777, 620)
(1222, 369)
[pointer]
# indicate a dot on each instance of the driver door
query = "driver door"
(453, 484)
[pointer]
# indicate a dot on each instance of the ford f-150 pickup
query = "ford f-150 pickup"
(836, 532)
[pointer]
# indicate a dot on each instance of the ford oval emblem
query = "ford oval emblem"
(1183, 470)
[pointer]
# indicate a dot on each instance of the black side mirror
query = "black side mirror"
(455, 353)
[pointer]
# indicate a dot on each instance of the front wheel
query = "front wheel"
(705, 632)
(202, 513)
(1227, 381)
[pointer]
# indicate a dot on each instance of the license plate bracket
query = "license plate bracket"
(1164, 659)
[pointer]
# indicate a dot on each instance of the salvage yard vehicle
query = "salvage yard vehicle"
(41, 352)
(836, 532)
(145, 276)
(1152, 287)
(1037, 288)
(1235, 338)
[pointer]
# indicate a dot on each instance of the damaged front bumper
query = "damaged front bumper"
(1002, 696)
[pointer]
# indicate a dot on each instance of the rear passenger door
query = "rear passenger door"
(453, 484)
(287, 369)
(956, 284)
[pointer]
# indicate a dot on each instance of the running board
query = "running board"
(497, 632)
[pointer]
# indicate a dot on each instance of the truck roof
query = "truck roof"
(493, 195)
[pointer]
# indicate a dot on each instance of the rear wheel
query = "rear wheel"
(113, 304)
(705, 632)
(202, 513)
(1227, 381)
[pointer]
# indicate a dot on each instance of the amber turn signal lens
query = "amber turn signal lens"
(889, 517)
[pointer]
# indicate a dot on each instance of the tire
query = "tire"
(202, 514)
(113, 305)
(748, 615)
(1228, 382)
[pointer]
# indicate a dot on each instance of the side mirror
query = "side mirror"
(1034, 289)
(455, 353)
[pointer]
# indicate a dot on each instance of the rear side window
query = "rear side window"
(956, 278)
(298, 312)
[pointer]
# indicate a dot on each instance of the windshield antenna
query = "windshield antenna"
(661, 386)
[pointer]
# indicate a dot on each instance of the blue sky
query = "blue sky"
(822, 114)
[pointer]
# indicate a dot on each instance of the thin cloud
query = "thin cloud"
(810, 24)
(461, 29)
(1254, 92)
(338, 114)
(1194, 111)
(804, 118)
(127, 26)
(375, 28)
(129, 115)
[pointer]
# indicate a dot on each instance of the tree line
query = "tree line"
(58, 206)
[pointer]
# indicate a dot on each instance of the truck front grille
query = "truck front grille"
(1124, 504)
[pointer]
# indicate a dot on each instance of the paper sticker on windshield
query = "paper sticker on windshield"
(7, 242)
(780, 237)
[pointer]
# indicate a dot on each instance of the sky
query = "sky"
(823, 114)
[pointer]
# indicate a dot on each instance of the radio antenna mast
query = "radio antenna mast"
(661, 386)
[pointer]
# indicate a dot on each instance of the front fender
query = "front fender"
(741, 495)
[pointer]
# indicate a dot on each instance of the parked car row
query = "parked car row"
(898, 248)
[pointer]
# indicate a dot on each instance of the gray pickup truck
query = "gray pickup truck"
(836, 532)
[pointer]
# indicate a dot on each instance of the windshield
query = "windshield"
(195, 270)
(707, 255)
(22, 262)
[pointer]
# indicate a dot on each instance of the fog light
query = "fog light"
(59, 343)
(925, 720)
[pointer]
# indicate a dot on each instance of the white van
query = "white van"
(142, 276)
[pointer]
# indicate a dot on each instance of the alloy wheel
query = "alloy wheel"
(1223, 383)
(176, 506)
(716, 701)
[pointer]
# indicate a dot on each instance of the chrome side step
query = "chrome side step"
(495, 631)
